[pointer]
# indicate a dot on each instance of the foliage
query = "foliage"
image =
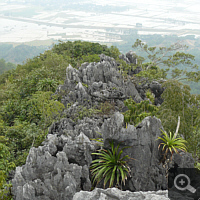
(83, 111)
(90, 58)
(153, 73)
(25, 122)
(31, 126)
(85, 85)
(163, 56)
(197, 165)
(150, 96)
(110, 166)
(98, 140)
(178, 101)
(124, 68)
(27, 109)
(79, 52)
(171, 144)
(47, 84)
(43, 105)
(138, 111)
(5, 66)
(106, 108)
(194, 144)
(5, 167)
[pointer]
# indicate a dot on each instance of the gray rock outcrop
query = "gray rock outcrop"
(116, 194)
(56, 170)
(124, 58)
(132, 57)
(96, 82)
(146, 171)
(59, 168)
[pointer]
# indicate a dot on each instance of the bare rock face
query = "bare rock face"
(56, 170)
(132, 57)
(60, 168)
(182, 160)
(157, 90)
(124, 58)
(116, 194)
(96, 82)
(146, 171)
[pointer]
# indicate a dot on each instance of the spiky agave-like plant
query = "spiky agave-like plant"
(171, 144)
(110, 166)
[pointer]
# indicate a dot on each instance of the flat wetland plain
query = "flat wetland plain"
(99, 21)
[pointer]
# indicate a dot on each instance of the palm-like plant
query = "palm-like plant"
(110, 166)
(171, 143)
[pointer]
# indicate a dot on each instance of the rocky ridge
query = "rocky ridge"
(59, 168)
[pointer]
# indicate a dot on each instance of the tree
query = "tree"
(43, 104)
(172, 58)
(4, 66)
(178, 101)
(5, 167)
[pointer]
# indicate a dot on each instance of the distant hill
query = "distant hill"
(20, 53)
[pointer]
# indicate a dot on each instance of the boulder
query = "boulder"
(124, 58)
(157, 89)
(132, 57)
(147, 171)
(60, 168)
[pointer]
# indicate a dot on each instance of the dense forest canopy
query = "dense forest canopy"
(5, 66)
(28, 106)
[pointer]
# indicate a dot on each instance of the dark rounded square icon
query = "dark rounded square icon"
(184, 184)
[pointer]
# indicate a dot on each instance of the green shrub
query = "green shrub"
(106, 108)
(5, 167)
(138, 111)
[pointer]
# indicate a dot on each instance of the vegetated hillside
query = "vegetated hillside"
(25, 90)
(20, 53)
(5, 66)
(28, 106)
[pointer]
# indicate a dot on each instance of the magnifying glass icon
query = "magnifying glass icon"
(182, 182)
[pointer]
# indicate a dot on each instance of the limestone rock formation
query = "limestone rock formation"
(96, 82)
(116, 194)
(60, 167)
(124, 58)
(146, 171)
(56, 170)
(132, 57)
